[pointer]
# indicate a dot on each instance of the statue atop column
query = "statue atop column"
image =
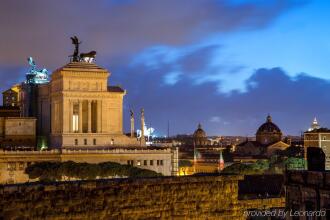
(142, 128)
(132, 122)
(82, 57)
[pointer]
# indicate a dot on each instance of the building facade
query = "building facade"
(268, 141)
(11, 97)
(17, 133)
(318, 138)
(84, 111)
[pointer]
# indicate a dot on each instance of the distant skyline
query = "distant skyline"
(225, 64)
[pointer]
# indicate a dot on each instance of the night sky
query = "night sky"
(225, 64)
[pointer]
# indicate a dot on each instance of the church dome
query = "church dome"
(268, 126)
(199, 133)
(199, 136)
(268, 132)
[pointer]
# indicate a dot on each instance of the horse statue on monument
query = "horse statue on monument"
(82, 57)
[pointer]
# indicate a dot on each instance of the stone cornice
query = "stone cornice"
(87, 94)
(80, 75)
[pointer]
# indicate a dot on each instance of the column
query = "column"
(80, 116)
(89, 116)
(142, 139)
(98, 117)
(70, 116)
(132, 123)
(132, 127)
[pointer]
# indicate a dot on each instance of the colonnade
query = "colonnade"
(76, 116)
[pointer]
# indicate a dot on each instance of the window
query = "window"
(94, 141)
(161, 162)
(157, 162)
(130, 162)
(11, 166)
(85, 141)
(145, 162)
(21, 166)
(138, 163)
(75, 141)
(151, 162)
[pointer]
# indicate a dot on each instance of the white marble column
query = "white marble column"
(89, 116)
(80, 116)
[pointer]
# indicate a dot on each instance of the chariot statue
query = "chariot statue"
(82, 57)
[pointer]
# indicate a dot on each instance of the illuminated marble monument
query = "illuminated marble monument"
(84, 111)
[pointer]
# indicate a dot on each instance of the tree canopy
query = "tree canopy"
(54, 171)
(275, 165)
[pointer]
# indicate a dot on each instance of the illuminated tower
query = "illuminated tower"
(315, 125)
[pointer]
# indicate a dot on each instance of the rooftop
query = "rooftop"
(319, 130)
(77, 66)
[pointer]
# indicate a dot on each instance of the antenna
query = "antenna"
(168, 129)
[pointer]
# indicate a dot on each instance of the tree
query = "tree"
(52, 171)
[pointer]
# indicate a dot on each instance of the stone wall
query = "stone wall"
(307, 191)
(17, 132)
(204, 197)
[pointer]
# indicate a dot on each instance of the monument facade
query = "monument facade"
(77, 108)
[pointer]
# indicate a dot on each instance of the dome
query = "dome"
(268, 126)
(199, 136)
(199, 133)
(268, 132)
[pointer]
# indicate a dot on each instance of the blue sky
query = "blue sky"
(226, 64)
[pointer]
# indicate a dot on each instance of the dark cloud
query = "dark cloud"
(195, 62)
(117, 29)
(293, 102)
